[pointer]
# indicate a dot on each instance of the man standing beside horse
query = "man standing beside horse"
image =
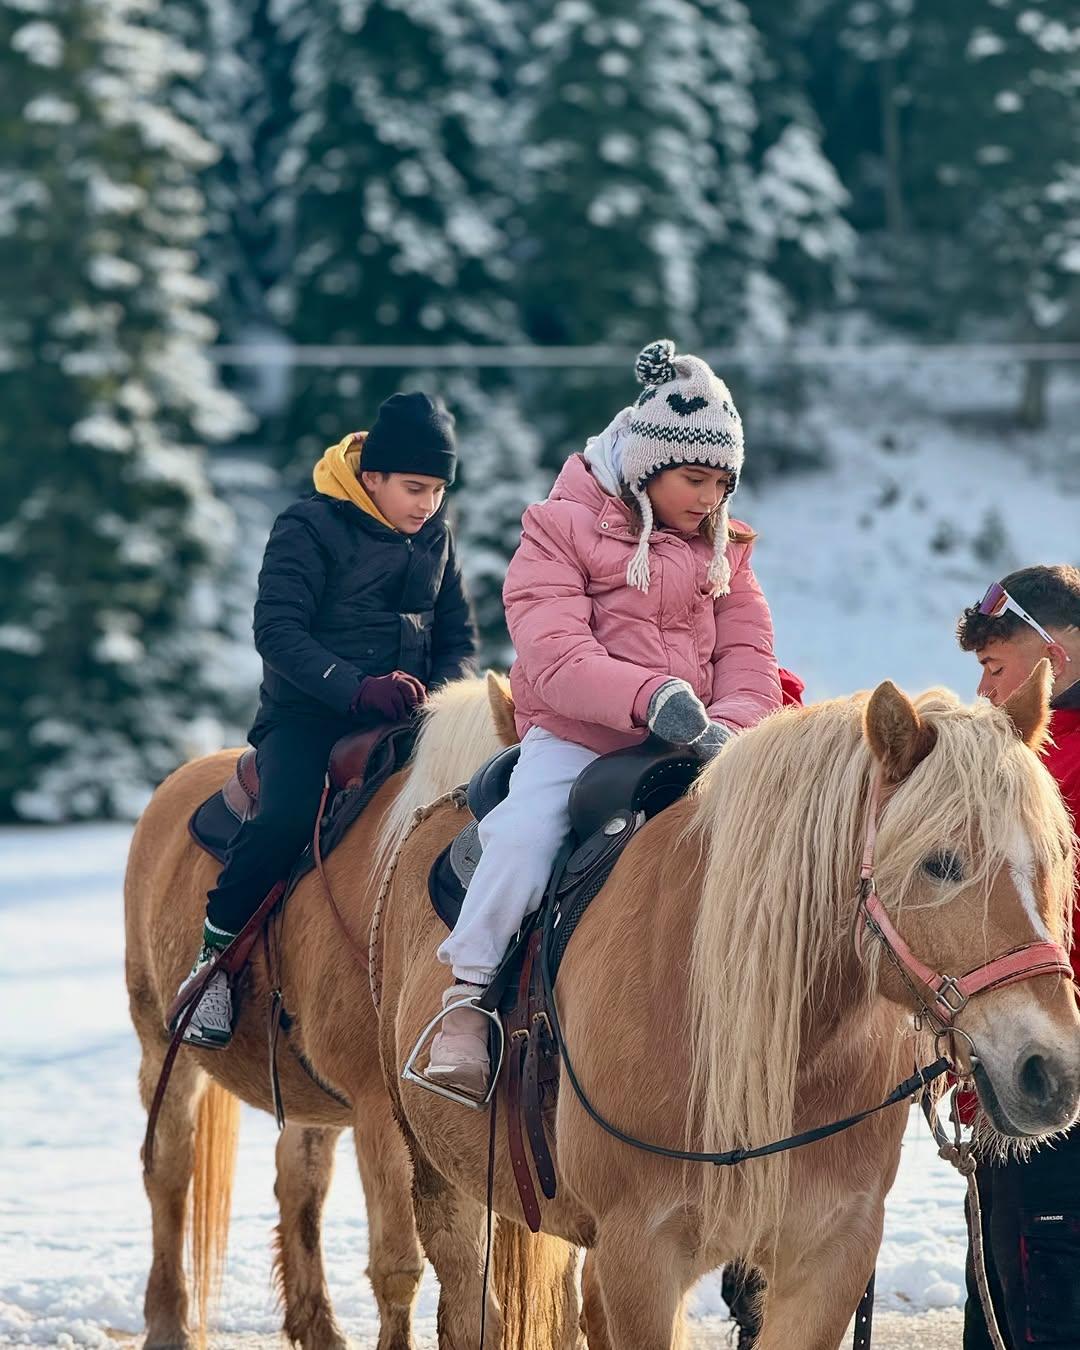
(1031, 1209)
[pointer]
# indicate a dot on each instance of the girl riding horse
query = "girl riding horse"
(633, 609)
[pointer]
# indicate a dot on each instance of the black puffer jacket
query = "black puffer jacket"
(342, 596)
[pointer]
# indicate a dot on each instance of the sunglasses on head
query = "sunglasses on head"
(998, 601)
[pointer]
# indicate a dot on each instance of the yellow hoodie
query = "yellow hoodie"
(335, 475)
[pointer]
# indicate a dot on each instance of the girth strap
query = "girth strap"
(864, 1317)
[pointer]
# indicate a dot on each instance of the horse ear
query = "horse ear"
(502, 708)
(899, 738)
(1029, 706)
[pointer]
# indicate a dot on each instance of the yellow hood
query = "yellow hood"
(335, 475)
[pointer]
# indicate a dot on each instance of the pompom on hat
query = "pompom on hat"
(685, 415)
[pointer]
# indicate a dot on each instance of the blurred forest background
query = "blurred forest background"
(229, 228)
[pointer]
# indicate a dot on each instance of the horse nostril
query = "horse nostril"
(1035, 1080)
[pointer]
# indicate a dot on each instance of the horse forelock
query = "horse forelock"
(458, 734)
(780, 819)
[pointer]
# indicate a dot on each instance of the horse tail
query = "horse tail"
(534, 1277)
(216, 1132)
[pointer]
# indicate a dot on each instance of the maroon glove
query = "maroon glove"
(392, 697)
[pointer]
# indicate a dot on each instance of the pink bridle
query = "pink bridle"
(949, 995)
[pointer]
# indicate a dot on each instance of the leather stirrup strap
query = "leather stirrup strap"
(273, 1022)
(232, 960)
(539, 1052)
(518, 1035)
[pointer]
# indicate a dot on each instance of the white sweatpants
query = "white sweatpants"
(521, 837)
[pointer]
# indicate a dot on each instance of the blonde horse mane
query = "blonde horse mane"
(779, 818)
(464, 724)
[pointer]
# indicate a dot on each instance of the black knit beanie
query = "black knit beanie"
(412, 434)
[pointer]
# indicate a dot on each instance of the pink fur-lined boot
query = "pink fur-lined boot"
(459, 1053)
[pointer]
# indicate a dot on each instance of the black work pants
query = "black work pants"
(742, 1286)
(291, 758)
(1031, 1233)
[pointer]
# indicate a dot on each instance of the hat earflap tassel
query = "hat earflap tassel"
(638, 572)
(719, 573)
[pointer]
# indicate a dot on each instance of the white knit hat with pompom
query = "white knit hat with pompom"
(685, 415)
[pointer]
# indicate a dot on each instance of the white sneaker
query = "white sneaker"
(211, 1022)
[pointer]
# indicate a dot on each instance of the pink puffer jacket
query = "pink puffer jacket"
(591, 650)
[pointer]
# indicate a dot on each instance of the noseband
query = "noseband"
(947, 995)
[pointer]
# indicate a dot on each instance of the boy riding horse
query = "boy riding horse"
(361, 612)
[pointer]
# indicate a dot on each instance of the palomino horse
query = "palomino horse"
(715, 996)
(335, 1031)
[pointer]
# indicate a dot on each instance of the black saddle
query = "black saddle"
(644, 777)
(611, 798)
(490, 784)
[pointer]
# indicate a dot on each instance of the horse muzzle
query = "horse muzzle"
(1032, 1092)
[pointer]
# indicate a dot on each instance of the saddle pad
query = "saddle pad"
(446, 891)
(212, 825)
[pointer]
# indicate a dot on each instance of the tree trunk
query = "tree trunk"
(1031, 413)
(895, 215)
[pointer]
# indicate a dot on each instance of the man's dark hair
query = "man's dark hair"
(1051, 595)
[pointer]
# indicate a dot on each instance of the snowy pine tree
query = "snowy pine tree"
(783, 247)
(802, 242)
(240, 102)
(399, 171)
(111, 654)
(618, 198)
(991, 141)
(395, 165)
(618, 165)
(956, 129)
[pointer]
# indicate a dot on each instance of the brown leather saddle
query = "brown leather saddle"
(348, 767)
(355, 760)
(609, 803)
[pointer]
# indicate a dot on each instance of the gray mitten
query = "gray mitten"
(676, 714)
(711, 741)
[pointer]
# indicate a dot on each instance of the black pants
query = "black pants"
(291, 759)
(741, 1287)
(1031, 1232)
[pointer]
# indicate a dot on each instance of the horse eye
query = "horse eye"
(944, 867)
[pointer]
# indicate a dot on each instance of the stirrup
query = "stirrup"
(410, 1074)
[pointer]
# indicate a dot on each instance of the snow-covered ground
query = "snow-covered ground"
(74, 1223)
